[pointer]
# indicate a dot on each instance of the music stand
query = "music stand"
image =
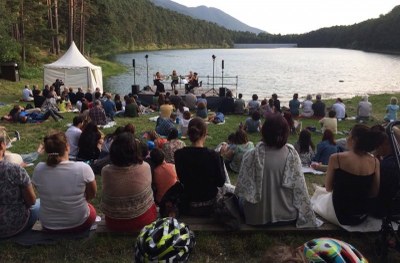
(214, 92)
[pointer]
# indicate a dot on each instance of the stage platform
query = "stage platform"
(214, 97)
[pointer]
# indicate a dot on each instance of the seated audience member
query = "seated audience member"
(88, 95)
(253, 123)
(18, 206)
(201, 110)
(164, 174)
(293, 124)
(72, 96)
(165, 125)
(38, 99)
(351, 180)
(234, 155)
(318, 107)
(173, 144)
(108, 140)
(274, 191)
(384, 204)
(175, 99)
(79, 94)
(190, 101)
(391, 110)
(326, 147)
(307, 111)
(305, 148)
(127, 199)
(227, 105)
(254, 104)
(202, 99)
(180, 110)
(65, 188)
(97, 114)
(73, 134)
(109, 106)
(294, 106)
(131, 108)
(90, 143)
(200, 170)
(154, 137)
(166, 109)
(364, 110)
(240, 104)
(50, 108)
(277, 103)
(329, 122)
(340, 109)
(187, 116)
(118, 103)
(27, 94)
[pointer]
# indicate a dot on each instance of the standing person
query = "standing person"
(157, 82)
(318, 107)
(294, 106)
(240, 104)
(305, 148)
(364, 110)
(391, 110)
(127, 199)
(18, 206)
(340, 109)
(307, 107)
(174, 79)
(277, 103)
(200, 170)
(65, 188)
(73, 134)
(57, 86)
(326, 147)
(271, 185)
(329, 122)
(351, 180)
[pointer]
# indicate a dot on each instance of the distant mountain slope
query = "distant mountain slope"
(209, 14)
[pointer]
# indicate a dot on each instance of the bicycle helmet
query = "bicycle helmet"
(164, 240)
(329, 250)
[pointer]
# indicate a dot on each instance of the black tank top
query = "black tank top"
(351, 196)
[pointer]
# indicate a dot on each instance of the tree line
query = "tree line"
(100, 27)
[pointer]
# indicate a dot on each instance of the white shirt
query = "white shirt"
(73, 134)
(340, 110)
(27, 94)
(62, 193)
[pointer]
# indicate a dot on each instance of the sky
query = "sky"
(298, 16)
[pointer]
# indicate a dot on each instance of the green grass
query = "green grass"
(228, 247)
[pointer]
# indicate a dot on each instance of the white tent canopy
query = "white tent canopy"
(75, 71)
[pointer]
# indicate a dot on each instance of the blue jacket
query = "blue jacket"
(324, 151)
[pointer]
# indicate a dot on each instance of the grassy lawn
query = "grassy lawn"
(229, 247)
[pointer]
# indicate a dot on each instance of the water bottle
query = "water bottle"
(179, 127)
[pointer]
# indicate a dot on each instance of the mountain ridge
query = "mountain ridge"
(210, 14)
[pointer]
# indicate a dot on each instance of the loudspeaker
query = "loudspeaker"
(133, 62)
(222, 92)
(135, 89)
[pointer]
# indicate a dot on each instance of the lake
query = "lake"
(328, 71)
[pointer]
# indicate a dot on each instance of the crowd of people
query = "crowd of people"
(142, 171)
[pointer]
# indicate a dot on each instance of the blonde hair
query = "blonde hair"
(393, 100)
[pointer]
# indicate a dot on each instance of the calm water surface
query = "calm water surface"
(331, 72)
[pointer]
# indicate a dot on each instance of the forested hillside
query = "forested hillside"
(101, 27)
